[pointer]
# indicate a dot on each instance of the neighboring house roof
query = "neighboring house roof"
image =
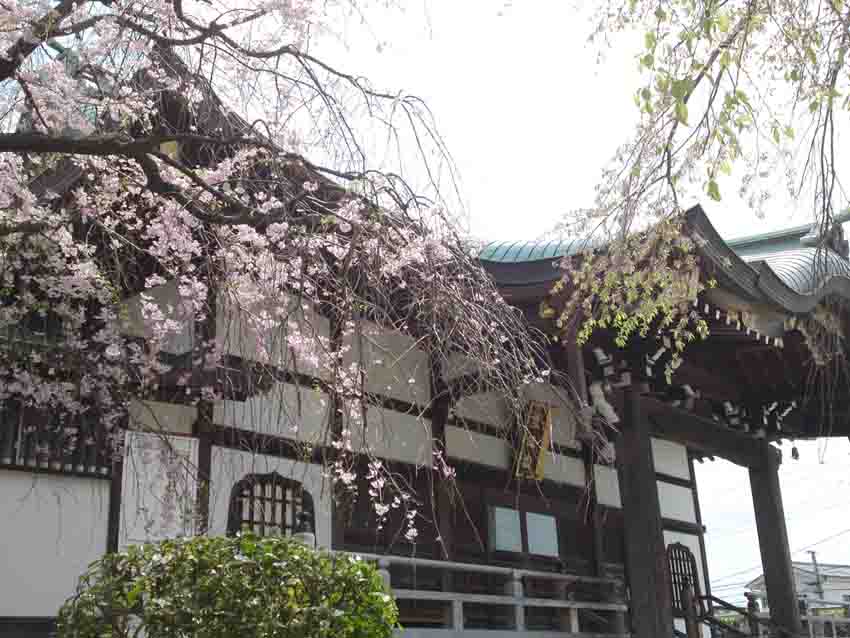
(827, 570)
(782, 269)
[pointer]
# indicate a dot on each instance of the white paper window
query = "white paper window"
(542, 534)
(505, 530)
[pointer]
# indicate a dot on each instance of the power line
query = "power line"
(724, 532)
(797, 551)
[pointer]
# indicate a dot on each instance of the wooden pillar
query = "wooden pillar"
(441, 402)
(646, 557)
(571, 357)
(773, 542)
(115, 491)
(204, 345)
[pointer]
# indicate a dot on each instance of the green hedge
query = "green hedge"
(242, 587)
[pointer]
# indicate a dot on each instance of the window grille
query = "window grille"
(269, 504)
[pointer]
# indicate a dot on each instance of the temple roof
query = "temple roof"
(783, 269)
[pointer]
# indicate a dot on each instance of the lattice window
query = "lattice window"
(31, 437)
(683, 573)
(269, 505)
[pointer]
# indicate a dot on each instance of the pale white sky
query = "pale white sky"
(531, 118)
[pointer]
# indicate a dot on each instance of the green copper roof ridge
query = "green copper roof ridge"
(510, 250)
(802, 229)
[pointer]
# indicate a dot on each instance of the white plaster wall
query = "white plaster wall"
(237, 334)
(162, 417)
(607, 486)
(159, 487)
(395, 435)
(564, 469)
(477, 447)
(286, 410)
(394, 366)
(229, 466)
(52, 528)
(487, 407)
(166, 298)
(677, 502)
(671, 458)
(457, 365)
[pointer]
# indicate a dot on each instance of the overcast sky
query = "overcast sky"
(531, 118)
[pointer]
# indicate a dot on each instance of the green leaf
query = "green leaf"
(660, 14)
(723, 22)
(648, 60)
(680, 88)
(682, 112)
(789, 132)
(776, 134)
(713, 190)
(649, 40)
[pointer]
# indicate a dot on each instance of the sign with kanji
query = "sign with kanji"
(534, 441)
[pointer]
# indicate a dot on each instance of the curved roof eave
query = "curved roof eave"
(782, 281)
(759, 280)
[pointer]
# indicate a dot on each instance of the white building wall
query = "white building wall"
(286, 410)
(671, 459)
(395, 435)
(167, 300)
(394, 366)
(52, 528)
(156, 416)
(677, 502)
(487, 407)
(296, 341)
(564, 469)
(478, 448)
(158, 489)
(229, 466)
(607, 486)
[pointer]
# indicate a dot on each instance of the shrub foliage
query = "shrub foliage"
(242, 587)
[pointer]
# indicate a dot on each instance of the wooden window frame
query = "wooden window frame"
(302, 503)
(523, 526)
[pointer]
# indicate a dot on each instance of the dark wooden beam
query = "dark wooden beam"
(773, 542)
(568, 355)
(441, 403)
(646, 556)
(205, 334)
(704, 555)
(113, 521)
(703, 435)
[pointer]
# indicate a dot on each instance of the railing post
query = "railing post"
(384, 571)
(457, 615)
(514, 588)
(575, 626)
(688, 603)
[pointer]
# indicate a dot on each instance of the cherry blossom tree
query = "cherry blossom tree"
(202, 145)
(740, 97)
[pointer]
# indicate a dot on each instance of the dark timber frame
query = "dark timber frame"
(646, 557)
(646, 564)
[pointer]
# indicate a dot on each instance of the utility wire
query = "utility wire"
(797, 551)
